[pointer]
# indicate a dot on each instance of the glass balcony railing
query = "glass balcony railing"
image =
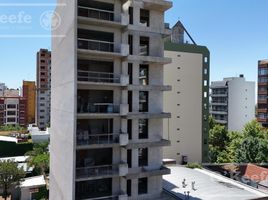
(98, 108)
(84, 138)
(144, 49)
(95, 13)
(97, 45)
(98, 77)
(103, 170)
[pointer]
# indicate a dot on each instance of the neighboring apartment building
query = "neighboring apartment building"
(188, 74)
(233, 102)
(107, 100)
(2, 89)
(13, 111)
(43, 88)
(262, 112)
(29, 92)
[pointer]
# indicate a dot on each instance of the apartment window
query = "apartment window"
(263, 71)
(130, 43)
(262, 97)
(144, 46)
(143, 157)
(42, 98)
(129, 158)
(143, 129)
(129, 129)
(145, 17)
(130, 73)
(144, 75)
(43, 67)
(130, 11)
(43, 73)
(205, 71)
(11, 112)
(43, 61)
(42, 111)
(142, 186)
(11, 119)
(130, 102)
(11, 106)
(43, 80)
(263, 80)
(129, 187)
(205, 83)
(42, 104)
(42, 117)
(143, 101)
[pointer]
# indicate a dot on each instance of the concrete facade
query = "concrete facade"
(233, 102)
(188, 74)
(43, 88)
(109, 69)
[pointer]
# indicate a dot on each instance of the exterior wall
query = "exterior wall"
(43, 84)
(185, 129)
(241, 103)
(29, 92)
(63, 104)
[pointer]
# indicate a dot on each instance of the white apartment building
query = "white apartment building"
(107, 100)
(233, 102)
(188, 74)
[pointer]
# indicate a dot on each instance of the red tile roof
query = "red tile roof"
(255, 173)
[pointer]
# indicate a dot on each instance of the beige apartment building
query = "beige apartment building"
(188, 102)
(107, 100)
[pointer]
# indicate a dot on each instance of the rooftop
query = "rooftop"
(208, 185)
(33, 182)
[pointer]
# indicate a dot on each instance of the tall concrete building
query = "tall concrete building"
(188, 74)
(43, 88)
(233, 102)
(262, 114)
(107, 100)
(29, 92)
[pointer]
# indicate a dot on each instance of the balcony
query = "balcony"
(149, 87)
(160, 5)
(101, 110)
(148, 115)
(100, 48)
(95, 16)
(86, 140)
(104, 171)
(219, 94)
(219, 103)
(101, 78)
(146, 171)
(219, 112)
(136, 145)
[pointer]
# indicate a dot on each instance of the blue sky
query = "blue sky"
(235, 31)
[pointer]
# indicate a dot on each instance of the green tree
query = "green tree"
(10, 175)
(252, 150)
(218, 139)
(39, 158)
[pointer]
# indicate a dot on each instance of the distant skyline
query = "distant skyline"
(235, 32)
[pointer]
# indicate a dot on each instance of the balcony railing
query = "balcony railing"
(98, 77)
(95, 13)
(98, 108)
(104, 170)
(89, 139)
(144, 49)
(97, 45)
(106, 198)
